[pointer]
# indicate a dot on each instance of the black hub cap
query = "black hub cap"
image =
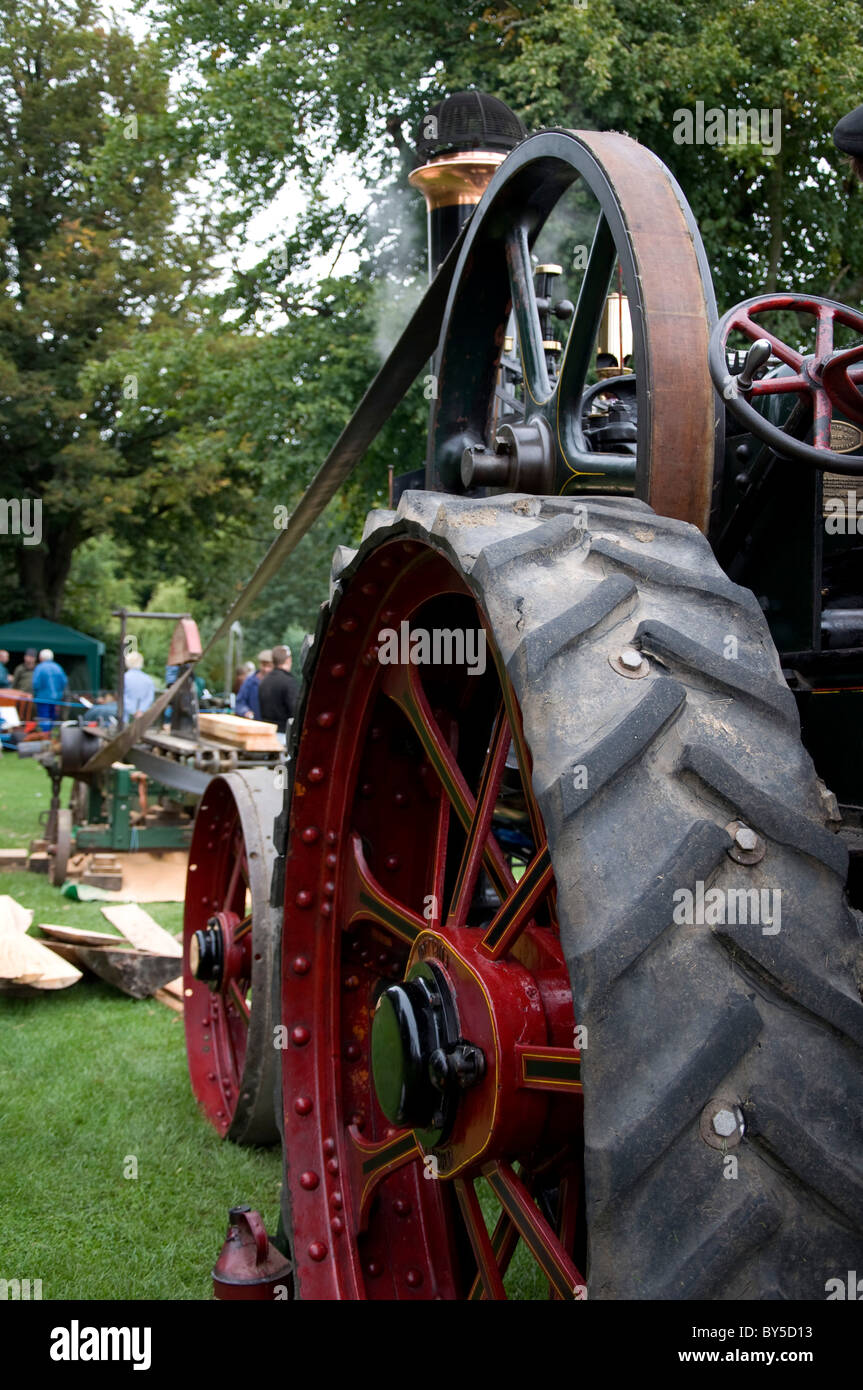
(420, 1062)
(207, 953)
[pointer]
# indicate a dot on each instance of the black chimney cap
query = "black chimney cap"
(468, 121)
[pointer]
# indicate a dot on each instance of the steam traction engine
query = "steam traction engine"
(562, 952)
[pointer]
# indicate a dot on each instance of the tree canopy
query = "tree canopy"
(169, 375)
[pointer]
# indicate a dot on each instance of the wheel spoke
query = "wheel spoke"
(240, 1001)
(243, 928)
(489, 1273)
(527, 315)
(489, 785)
(841, 377)
(822, 418)
(567, 1218)
(581, 344)
(550, 1069)
(236, 869)
(371, 1163)
(514, 914)
(753, 330)
(563, 1276)
(824, 333)
(403, 686)
(366, 899)
(503, 1242)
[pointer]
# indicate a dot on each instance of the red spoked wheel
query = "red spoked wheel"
(229, 939)
(826, 379)
(430, 1072)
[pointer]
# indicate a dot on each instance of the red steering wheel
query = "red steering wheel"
(828, 379)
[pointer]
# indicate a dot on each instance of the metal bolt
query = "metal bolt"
(630, 658)
(745, 838)
(725, 1123)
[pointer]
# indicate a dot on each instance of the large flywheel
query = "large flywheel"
(631, 228)
(230, 933)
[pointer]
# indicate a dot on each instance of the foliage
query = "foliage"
(91, 164)
(793, 218)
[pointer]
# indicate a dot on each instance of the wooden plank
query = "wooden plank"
(175, 988)
(76, 937)
(254, 735)
(24, 961)
(13, 915)
(235, 723)
(12, 859)
(137, 973)
(164, 997)
(69, 953)
(138, 927)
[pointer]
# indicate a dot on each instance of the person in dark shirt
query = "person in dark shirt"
(279, 691)
(22, 676)
(248, 704)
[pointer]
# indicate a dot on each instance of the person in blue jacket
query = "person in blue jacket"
(248, 696)
(49, 687)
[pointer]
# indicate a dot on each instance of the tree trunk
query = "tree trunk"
(774, 209)
(44, 569)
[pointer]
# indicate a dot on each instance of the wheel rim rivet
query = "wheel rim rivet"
(630, 658)
(745, 838)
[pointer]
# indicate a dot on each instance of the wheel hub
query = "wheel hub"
(420, 1063)
(207, 953)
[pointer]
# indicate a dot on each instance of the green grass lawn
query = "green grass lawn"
(89, 1079)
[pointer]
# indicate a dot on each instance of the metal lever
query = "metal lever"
(756, 357)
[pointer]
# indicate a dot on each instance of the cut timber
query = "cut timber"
(138, 927)
(76, 937)
(137, 973)
(165, 997)
(254, 735)
(24, 961)
(12, 914)
(12, 859)
(69, 953)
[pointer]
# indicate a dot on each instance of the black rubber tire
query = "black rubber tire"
(677, 1016)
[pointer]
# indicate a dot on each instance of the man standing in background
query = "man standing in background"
(248, 696)
(22, 676)
(49, 686)
(279, 691)
(139, 692)
(5, 678)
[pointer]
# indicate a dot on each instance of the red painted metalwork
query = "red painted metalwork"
(395, 825)
(228, 936)
(249, 1266)
(829, 378)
